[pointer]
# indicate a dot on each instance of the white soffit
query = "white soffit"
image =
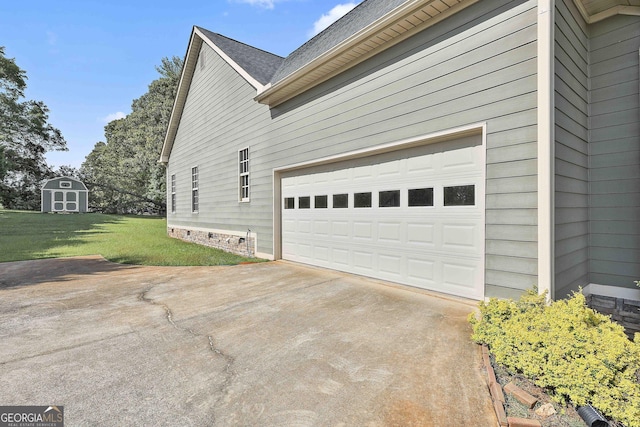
(597, 10)
(399, 24)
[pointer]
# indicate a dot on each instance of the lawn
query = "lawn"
(139, 240)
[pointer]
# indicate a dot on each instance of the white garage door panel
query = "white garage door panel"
(390, 232)
(339, 229)
(433, 247)
(340, 257)
(321, 253)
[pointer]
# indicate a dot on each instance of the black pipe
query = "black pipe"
(592, 417)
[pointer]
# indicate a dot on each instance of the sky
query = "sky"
(88, 60)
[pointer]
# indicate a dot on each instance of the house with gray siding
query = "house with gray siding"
(476, 148)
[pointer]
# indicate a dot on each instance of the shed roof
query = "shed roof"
(48, 183)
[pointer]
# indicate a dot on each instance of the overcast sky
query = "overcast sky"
(87, 60)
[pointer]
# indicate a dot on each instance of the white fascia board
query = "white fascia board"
(348, 43)
(188, 68)
(357, 38)
(253, 82)
(546, 148)
(193, 51)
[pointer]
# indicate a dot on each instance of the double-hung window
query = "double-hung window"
(194, 189)
(243, 160)
(173, 193)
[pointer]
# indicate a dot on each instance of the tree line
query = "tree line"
(122, 172)
(25, 136)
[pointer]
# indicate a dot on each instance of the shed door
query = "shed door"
(414, 216)
(65, 201)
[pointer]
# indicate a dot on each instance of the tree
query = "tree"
(25, 136)
(123, 171)
(67, 171)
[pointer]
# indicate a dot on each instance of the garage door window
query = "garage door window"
(460, 195)
(389, 199)
(340, 201)
(320, 202)
(304, 202)
(421, 197)
(362, 200)
(289, 203)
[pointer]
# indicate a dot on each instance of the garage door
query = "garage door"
(414, 216)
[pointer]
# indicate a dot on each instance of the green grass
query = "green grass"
(123, 239)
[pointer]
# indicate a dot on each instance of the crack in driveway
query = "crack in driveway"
(229, 360)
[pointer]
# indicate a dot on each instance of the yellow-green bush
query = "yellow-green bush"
(574, 352)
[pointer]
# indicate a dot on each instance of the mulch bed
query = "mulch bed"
(566, 415)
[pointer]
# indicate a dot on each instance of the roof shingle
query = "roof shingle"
(261, 65)
(358, 18)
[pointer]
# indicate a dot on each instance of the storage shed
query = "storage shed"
(64, 194)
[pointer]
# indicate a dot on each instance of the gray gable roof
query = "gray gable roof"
(360, 17)
(261, 65)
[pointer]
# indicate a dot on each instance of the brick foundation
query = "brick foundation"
(233, 243)
(625, 312)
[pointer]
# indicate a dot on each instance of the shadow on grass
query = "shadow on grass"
(34, 235)
(28, 241)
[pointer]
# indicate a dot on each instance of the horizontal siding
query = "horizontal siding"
(614, 127)
(571, 149)
(220, 118)
(477, 66)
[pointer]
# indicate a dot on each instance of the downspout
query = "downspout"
(546, 148)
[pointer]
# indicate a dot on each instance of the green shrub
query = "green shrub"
(577, 354)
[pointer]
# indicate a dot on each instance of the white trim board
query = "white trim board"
(478, 129)
(612, 291)
(546, 148)
(430, 138)
(253, 82)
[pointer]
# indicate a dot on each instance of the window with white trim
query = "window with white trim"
(173, 193)
(243, 160)
(65, 184)
(460, 195)
(194, 189)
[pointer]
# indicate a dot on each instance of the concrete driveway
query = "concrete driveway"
(271, 344)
